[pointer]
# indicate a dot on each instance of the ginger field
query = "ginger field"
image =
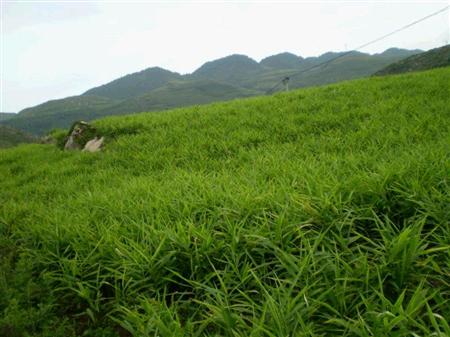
(317, 212)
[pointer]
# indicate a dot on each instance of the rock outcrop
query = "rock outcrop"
(84, 136)
(94, 145)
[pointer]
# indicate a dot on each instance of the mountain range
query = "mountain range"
(434, 58)
(231, 77)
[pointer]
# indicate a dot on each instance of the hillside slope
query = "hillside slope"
(6, 115)
(177, 94)
(434, 58)
(59, 113)
(12, 137)
(132, 92)
(135, 84)
(318, 212)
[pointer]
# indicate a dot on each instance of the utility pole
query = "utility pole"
(285, 81)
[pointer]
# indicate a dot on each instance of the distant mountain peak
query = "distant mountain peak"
(399, 51)
(286, 53)
(230, 69)
(154, 70)
(234, 59)
(331, 54)
(134, 84)
(434, 58)
(282, 60)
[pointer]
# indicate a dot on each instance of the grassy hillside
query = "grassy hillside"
(11, 137)
(238, 75)
(434, 58)
(318, 212)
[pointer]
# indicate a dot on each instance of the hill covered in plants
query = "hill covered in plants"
(234, 76)
(59, 113)
(434, 58)
(318, 212)
(11, 137)
(6, 115)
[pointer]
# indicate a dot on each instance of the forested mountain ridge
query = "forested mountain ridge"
(434, 58)
(229, 77)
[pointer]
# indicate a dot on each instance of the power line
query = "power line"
(286, 78)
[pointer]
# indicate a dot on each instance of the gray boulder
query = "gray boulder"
(80, 133)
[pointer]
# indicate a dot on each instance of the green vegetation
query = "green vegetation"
(233, 69)
(11, 137)
(59, 113)
(245, 72)
(230, 77)
(318, 212)
(178, 94)
(434, 58)
(6, 115)
(136, 84)
(72, 105)
(282, 61)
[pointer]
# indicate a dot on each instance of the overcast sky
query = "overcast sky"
(54, 49)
